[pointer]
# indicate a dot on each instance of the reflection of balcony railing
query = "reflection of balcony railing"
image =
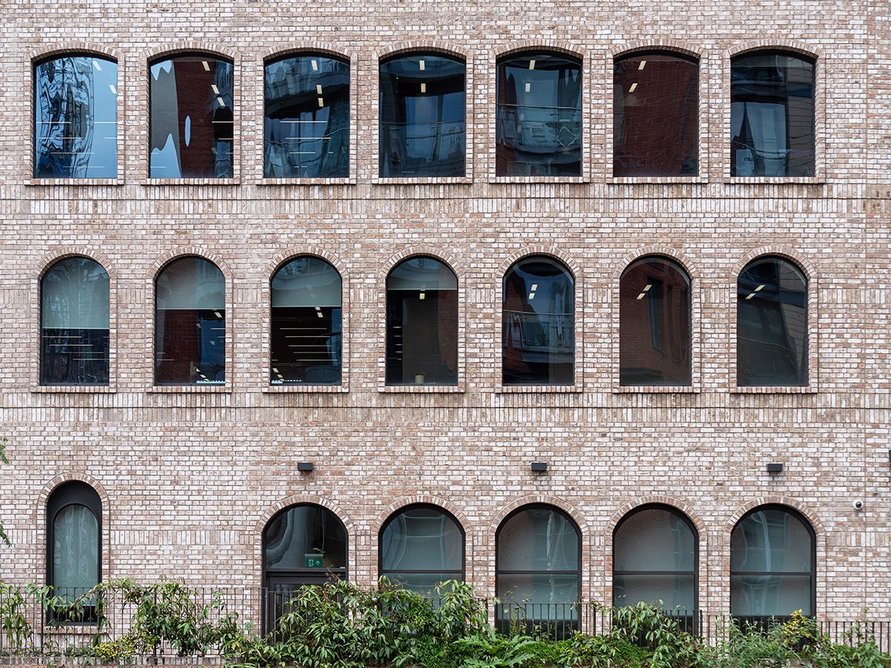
(539, 129)
(545, 333)
(419, 147)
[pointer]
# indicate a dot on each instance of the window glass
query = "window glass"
(306, 331)
(655, 115)
(771, 329)
(538, 323)
(76, 118)
(305, 538)
(422, 120)
(772, 115)
(654, 323)
(307, 117)
(539, 115)
(191, 120)
(422, 323)
(190, 323)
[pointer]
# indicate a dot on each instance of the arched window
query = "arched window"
(539, 115)
(306, 331)
(422, 323)
(656, 115)
(307, 117)
(655, 551)
(772, 114)
(422, 116)
(538, 569)
(654, 323)
(302, 545)
(74, 545)
(76, 117)
(771, 324)
(538, 323)
(74, 316)
(191, 118)
(420, 547)
(190, 323)
(772, 559)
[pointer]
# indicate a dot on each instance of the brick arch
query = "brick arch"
(806, 512)
(540, 500)
(280, 259)
(423, 46)
(421, 499)
(557, 46)
(656, 251)
(50, 259)
(661, 500)
(791, 45)
(424, 250)
(187, 46)
(670, 45)
(308, 48)
(785, 252)
(192, 251)
(300, 499)
(550, 251)
(79, 476)
(89, 48)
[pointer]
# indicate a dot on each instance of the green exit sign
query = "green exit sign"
(313, 561)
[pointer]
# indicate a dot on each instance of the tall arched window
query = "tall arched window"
(307, 117)
(422, 323)
(655, 551)
(74, 544)
(191, 121)
(190, 323)
(538, 323)
(74, 318)
(538, 569)
(306, 325)
(771, 324)
(772, 563)
(76, 117)
(420, 547)
(656, 115)
(772, 114)
(539, 115)
(422, 115)
(302, 545)
(654, 323)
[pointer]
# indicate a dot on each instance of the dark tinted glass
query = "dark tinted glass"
(771, 327)
(422, 111)
(654, 323)
(655, 116)
(307, 117)
(76, 118)
(190, 323)
(74, 313)
(305, 538)
(306, 332)
(191, 120)
(422, 323)
(539, 124)
(538, 323)
(772, 115)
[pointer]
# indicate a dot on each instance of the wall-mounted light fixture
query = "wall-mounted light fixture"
(774, 468)
(539, 467)
(306, 467)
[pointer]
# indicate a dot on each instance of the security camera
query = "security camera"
(857, 505)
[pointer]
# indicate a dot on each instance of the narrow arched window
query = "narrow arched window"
(538, 569)
(422, 323)
(771, 324)
(420, 547)
(422, 116)
(191, 119)
(772, 559)
(306, 326)
(772, 114)
(538, 323)
(656, 115)
(539, 115)
(307, 117)
(190, 323)
(74, 546)
(74, 318)
(76, 117)
(655, 550)
(654, 323)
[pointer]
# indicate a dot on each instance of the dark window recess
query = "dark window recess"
(307, 117)
(654, 324)
(306, 331)
(538, 323)
(74, 316)
(190, 323)
(771, 115)
(191, 118)
(422, 323)
(539, 116)
(422, 116)
(771, 324)
(655, 115)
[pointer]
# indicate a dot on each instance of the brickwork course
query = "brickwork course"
(190, 476)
